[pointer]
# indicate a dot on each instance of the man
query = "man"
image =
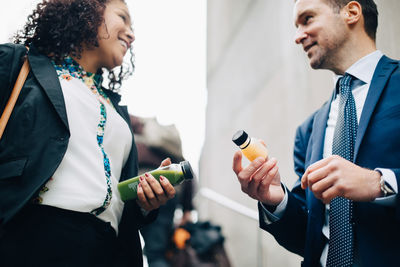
(343, 210)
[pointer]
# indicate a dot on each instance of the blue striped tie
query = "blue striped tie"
(341, 243)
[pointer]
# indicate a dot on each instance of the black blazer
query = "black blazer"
(376, 227)
(36, 139)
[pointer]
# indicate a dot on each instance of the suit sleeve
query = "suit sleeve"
(290, 230)
(397, 173)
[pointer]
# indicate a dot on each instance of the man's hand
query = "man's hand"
(335, 176)
(260, 179)
(151, 193)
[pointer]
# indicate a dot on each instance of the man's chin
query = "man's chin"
(315, 64)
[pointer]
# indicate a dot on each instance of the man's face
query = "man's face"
(321, 31)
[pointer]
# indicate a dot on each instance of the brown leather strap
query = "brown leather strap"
(14, 96)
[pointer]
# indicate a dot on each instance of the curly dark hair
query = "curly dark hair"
(58, 28)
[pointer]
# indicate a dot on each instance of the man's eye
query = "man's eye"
(123, 18)
(307, 19)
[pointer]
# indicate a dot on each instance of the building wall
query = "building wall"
(260, 81)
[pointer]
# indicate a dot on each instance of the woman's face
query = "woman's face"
(115, 34)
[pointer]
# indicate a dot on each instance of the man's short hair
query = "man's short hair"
(369, 10)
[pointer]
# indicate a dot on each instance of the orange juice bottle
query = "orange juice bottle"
(251, 148)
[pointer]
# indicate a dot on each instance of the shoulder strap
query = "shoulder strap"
(14, 96)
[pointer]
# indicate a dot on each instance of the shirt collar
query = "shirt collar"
(364, 68)
(73, 67)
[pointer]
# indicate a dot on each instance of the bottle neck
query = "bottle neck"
(245, 144)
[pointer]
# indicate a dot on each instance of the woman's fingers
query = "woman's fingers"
(152, 193)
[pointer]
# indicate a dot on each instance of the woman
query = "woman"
(68, 142)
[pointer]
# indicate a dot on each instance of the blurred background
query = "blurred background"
(212, 68)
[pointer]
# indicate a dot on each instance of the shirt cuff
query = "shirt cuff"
(271, 217)
(390, 178)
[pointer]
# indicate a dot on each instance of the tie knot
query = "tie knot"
(345, 84)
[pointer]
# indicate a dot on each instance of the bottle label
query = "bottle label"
(128, 190)
(133, 186)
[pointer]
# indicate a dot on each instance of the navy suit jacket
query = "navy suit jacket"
(376, 227)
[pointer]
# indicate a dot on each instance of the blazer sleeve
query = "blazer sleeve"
(290, 230)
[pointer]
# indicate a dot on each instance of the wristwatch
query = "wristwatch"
(386, 189)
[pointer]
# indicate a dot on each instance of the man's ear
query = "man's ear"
(352, 12)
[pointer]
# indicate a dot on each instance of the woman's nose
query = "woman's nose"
(130, 35)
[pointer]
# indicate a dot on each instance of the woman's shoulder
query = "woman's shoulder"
(10, 53)
(11, 49)
(11, 58)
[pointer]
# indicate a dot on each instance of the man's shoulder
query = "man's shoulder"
(389, 68)
(386, 62)
(389, 59)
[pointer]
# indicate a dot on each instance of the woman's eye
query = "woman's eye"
(123, 17)
(307, 19)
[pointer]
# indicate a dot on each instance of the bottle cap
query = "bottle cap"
(240, 137)
(187, 170)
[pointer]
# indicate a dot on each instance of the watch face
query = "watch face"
(388, 188)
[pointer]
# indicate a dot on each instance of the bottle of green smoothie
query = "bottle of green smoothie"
(175, 173)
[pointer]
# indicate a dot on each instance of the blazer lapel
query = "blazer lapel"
(382, 73)
(317, 144)
(318, 132)
(46, 75)
(122, 110)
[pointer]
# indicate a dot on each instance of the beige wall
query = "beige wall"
(260, 81)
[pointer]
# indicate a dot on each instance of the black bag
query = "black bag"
(204, 248)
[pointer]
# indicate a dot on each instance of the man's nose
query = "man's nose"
(299, 35)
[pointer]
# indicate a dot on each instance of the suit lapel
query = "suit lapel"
(318, 133)
(317, 144)
(46, 75)
(382, 73)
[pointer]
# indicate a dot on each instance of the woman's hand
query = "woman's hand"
(151, 193)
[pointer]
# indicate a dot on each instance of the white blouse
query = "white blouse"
(80, 182)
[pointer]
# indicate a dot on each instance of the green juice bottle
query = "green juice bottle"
(175, 173)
